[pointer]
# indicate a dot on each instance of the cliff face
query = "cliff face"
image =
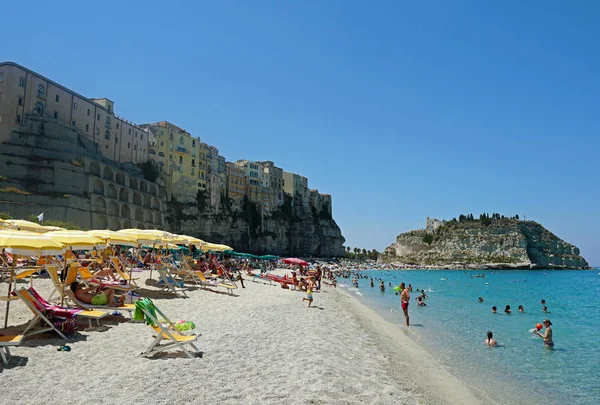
(293, 230)
(503, 243)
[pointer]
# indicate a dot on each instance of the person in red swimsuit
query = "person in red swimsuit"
(404, 299)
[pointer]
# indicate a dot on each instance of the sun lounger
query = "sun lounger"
(165, 330)
(43, 311)
(64, 291)
(167, 281)
(120, 269)
(5, 342)
(215, 283)
(88, 277)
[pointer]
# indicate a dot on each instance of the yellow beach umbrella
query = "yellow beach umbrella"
(23, 225)
(215, 247)
(114, 238)
(77, 240)
(189, 240)
(28, 244)
(54, 228)
(147, 236)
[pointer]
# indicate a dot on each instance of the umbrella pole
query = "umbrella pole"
(12, 276)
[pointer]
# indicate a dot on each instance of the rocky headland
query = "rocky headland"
(500, 243)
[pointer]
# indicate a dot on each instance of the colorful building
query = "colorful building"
(236, 182)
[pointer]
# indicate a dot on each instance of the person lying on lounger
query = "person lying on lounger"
(95, 295)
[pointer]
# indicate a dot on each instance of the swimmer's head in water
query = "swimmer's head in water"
(493, 309)
(490, 335)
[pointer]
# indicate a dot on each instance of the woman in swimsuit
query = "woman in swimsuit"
(490, 340)
(547, 336)
(404, 299)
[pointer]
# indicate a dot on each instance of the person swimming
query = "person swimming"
(545, 309)
(507, 310)
(420, 302)
(489, 341)
(521, 309)
(480, 299)
(494, 310)
(547, 336)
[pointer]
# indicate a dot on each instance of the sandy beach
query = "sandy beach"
(260, 346)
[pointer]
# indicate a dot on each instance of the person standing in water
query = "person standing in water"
(371, 281)
(490, 340)
(547, 336)
(404, 300)
(382, 287)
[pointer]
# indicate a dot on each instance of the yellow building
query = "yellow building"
(236, 183)
(202, 166)
(177, 152)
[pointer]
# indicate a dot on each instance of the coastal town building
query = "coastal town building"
(24, 93)
(252, 176)
(296, 186)
(236, 182)
(175, 151)
(432, 224)
(85, 166)
(275, 183)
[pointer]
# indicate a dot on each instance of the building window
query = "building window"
(108, 121)
(128, 145)
(18, 119)
(193, 162)
(180, 159)
(129, 131)
(39, 108)
(171, 136)
(20, 101)
(162, 143)
(41, 92)
(57, 98)
(107, 134)
(74, 124)
(98, 118)
(193, 171)
(1, 77)
(88, 112)
(75, 106)
(55, 115)
(98, 131)
(22, 82)
(181, 140)
(135, 147)
(116, 139)
(117, 125)
(193, 143)
(141, 137)
(136, 134)
(87, 128)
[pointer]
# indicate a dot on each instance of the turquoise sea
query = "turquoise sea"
(522, 370)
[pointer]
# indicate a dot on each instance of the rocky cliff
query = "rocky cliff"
(495, 244)
(291, 230)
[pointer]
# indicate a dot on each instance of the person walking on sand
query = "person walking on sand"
(404, 300)
(309, 290)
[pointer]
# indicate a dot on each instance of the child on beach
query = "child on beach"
(309, 290)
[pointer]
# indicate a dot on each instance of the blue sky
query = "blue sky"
(399, 110)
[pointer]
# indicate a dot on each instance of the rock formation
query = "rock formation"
(292, 230)
(493, 244)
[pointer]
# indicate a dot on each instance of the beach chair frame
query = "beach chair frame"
(176, 339)
(168, 281)
(5, 342)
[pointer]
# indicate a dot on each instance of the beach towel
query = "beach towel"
(139, 314)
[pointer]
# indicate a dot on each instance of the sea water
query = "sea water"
(453, 326)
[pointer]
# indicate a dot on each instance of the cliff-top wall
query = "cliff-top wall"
(499, 243)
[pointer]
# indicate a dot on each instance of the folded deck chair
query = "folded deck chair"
(64, 291)
(215, 283)
(44, 312)
(165, 330)
(5, 342)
